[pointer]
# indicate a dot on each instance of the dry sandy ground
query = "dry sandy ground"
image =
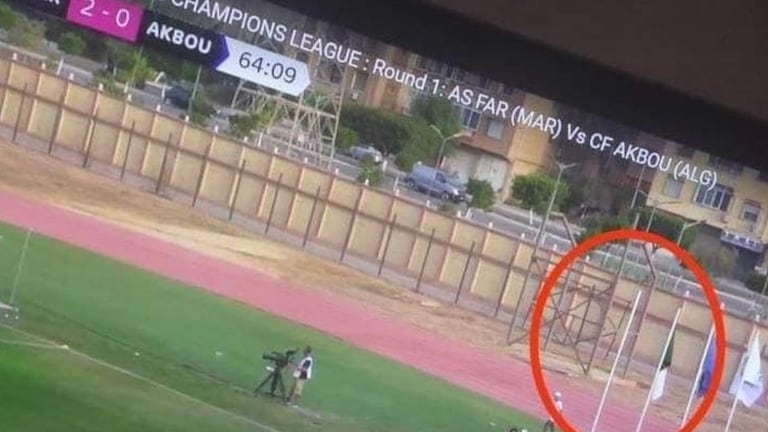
(39, 177)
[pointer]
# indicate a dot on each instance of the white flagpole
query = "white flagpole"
(741, 378)
(658, 366)
(616, 362)
(697, 377)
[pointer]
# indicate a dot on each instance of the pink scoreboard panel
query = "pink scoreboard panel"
(116, 18)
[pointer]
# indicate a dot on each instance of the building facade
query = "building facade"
(493, 149)
(734, 211)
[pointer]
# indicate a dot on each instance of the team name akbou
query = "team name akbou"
(180, 38)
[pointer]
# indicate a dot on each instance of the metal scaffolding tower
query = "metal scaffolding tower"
(306, 125)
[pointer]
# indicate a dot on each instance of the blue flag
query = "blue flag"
(707, 369)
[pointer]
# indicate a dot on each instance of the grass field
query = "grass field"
(112, 312)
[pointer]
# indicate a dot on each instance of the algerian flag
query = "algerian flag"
(747, 384)
(661, 376)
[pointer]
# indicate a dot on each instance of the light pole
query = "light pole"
(655, 207)
(561, 167)
(685, 228)
(444, 141)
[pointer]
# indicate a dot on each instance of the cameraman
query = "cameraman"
(301, 374)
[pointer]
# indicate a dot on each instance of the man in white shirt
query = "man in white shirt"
(301, 375)
(549, 426)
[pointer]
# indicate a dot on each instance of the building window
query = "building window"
(673, 188)
(495, 128)
(470, 119)
(719, 198)
(751, 211)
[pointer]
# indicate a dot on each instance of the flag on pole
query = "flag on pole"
(661, 377)
(706, 371)
(747, 385)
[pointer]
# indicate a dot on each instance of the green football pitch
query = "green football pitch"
(143, 357)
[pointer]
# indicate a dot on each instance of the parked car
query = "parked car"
(366, 152)
(178, 96)
(436, 182)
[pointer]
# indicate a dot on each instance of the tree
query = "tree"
(755, 282)
(346, 138)
(599, 224)
(411, 139)
(27, 33)
(717, 261)
(534, 192)
(71, 43)
(437, 111)
(7, 17)
(483, 195)
(241, 126)
(668, 226)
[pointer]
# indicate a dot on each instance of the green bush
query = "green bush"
(27, 33)
(108, 81)
(599, 224)
(534, 191)
(371, 172)
(346, 138)
(71, 43)
(483, 195)
(666, 225)
(410, 138)
(7, 17)
(755, 282)
(717, 261)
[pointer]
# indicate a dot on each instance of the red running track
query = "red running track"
(499, 377)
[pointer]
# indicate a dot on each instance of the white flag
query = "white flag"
(748, 385)
(658, 385)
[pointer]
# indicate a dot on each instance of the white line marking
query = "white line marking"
(31, 344)
(145, 380)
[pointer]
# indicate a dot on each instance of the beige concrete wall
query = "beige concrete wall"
(268, 187)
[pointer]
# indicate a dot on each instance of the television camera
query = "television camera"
(279, 361)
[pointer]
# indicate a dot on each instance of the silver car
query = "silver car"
(366, 152)
(436, 182)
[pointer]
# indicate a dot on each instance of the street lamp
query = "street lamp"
(655, 207)
(685, 228)
(445, 140)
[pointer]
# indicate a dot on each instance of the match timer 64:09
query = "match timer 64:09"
(276, 70)
(116, 18)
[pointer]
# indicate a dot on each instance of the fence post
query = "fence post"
(200, 178)
(89, 141)
(233, 203)
(464, 273)
(383, 261)
(57, 122)
(504, 290)
(127, 150)
(274, 202)
(426, 257)
(311, 217)
(18, 115)
(162, 167)
(352, 223)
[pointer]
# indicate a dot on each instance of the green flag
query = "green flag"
(667, 362)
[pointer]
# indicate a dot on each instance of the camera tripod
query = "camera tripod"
(275, 380)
